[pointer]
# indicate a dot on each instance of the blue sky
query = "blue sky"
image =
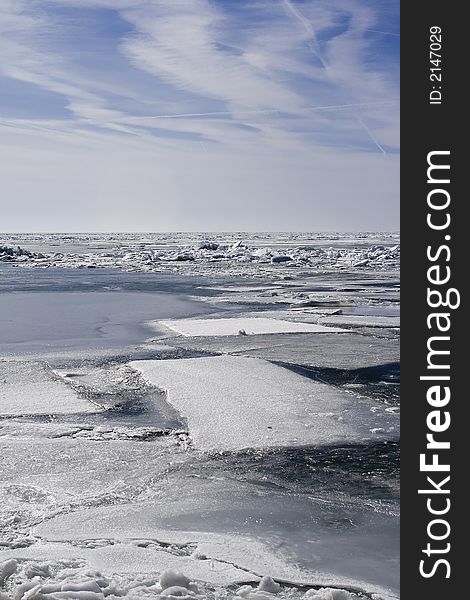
(199, 115)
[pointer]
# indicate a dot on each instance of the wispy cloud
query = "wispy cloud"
(252, 82)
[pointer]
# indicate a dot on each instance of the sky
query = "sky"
(199, 115)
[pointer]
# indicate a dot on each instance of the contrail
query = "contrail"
(215, 113)
(222, 113)
(308, 28)
(369, 133)
(311, 31)
(383, 32)
(352, 105)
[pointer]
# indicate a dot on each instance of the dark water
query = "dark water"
(332, 508)
(379, 382)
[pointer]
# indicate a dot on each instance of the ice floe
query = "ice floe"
(242, 326)
(33, 388)
(233, 402)
(360, 321)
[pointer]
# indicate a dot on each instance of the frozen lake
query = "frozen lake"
(218, 426)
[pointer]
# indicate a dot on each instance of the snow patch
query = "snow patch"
(28, 388)
(250, 325)
(74, 582)
(328, 594)
(170, 578)
(267, 584)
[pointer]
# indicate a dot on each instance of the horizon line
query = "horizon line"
(198, 231)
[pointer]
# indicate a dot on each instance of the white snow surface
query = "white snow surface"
(66, 579)
(28, 388)
(233, 402)
(243, 325)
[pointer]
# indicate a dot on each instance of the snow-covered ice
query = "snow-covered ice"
(68, 580)
(360, 321)
(233, 402)
(32, 388)
(242, 326)
(204, 517)
(193, 253)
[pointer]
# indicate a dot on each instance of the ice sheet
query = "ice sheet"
(347, 351)
(233, 402)
(33, 388)
(133, 557)
(81, 318)
(173, 511)
(316, 538)
(240, 326)
(104, 491)
(139, 545)
(360, 321)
